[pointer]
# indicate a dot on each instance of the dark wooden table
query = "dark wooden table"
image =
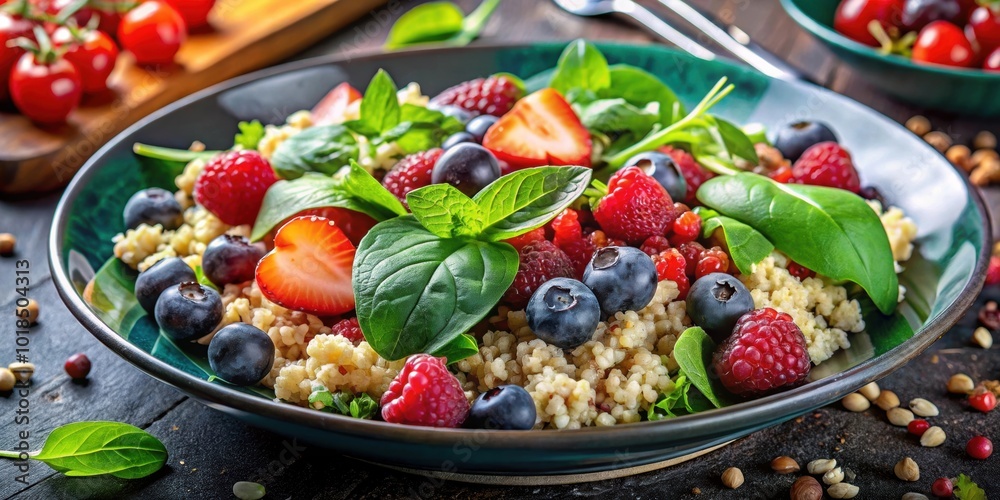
(210, 451)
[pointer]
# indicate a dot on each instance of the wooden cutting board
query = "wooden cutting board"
(247, 35)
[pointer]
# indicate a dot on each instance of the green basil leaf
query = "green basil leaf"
(420, 129)
(745, 244)
(324, 149)
(667, 402)
(831, 231)
(322, 395)
(364, 188)
(736, 141)
(363, 407)
(445, 211)
(640, 87)
(693, 352)
(527, 199)
(98, 448)
(617, 115)
(459, 348)
(416, 292)
(581, 66)
(380, 109)
(430, 22)
(250, 134)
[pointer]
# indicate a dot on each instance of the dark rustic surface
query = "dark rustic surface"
(210, 451)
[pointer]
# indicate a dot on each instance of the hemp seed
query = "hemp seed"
(855, 402)
(900, 417)
(7, 380)
(932, 437)
(732, 478)
(923, 408)
(7, 243)
(870, 391)
(960, 383)
(983, 338)
(23, 371)
(907, 470)
(919, 125)
(887, 400)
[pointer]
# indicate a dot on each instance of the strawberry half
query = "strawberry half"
(355, 225)
(541, 129)
(310, 268)
(331, 108)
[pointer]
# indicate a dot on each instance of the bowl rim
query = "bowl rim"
(832, 37)
(764, 411)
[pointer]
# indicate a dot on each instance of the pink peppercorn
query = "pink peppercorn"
(77, 366)
(979, 447)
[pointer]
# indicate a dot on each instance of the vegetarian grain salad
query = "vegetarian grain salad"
(591, 252)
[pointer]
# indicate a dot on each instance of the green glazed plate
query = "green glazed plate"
(942, 279)
(965, 91)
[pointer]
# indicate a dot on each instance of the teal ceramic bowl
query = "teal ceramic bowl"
(943, 278)
(965, 91)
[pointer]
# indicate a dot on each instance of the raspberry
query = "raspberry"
(709, 265)
(425, 393)
(687, 227)
(694, 174)
(635, 208)
(540, 262)
(412, 172)
(765, 352)
(692, 254)
(601, 240)
(566, 227)
(993, 271)
(827, 164)
(580, 252)
(670, 265)
(232, 186)
(494, 95)
(719, 258)
(799, 271)
(655, 245)
(349, 328)
(532, 236)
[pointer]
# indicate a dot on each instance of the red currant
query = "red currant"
(78, 366)
(707, 266)
(712, 254)
(983, 400)
(799, 271)
(655, 245)
(942, 487)
(918, 427)
(687, 227)
(979, 447)
(692, 253)
(671, 265)
(782, 174)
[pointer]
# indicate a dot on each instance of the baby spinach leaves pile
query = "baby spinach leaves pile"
(421, 281)
(693, 353)
(344, 403)
(439, 22)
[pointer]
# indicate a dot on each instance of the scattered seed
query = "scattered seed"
(23, 371)
(245, 490)
(870, 391)
(985, 140)
(960, 383)
(806, 488)
(914, 496)
(887, 400)
(939, 140)
(7, 380)
(989, 316)
(843, 490)
(983, 338)
(696, 491)
(923, 408)
(855, 402)
(919, 125)
(981, 156)
(7, 243)
(32, 311)
(821, 466)
(833, 476)
(732, 478)
(932, 437)
(784, 465)
(961, 156)
(900, 417)
(907, 470)
(849, 475)
(988, 171)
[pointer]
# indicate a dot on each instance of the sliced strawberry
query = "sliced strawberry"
(310, 268)
(541, 129)
(355, 225)
(331, 108)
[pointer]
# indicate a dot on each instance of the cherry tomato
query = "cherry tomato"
(194, 12)
(12, 26)
(984, 27)
(92, 52)
(153, 32)
(967, 7)
(993, 61)
(854, 16)
(943, 43)
(333, 105)
(45, 91)
(108, 12)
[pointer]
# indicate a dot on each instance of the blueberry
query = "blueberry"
(479, 125)
(241, 354)
(455, 112)
(456, 139)
(622, 278)
(153, 206)
(795, 138)
(188, 311)
(231, 259)
(469, 167)
(661, 167)
(164, 274)
(716, 301)
(508, 407)
(563, 312)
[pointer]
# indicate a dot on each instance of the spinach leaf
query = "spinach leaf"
(420, 129)
(668, 402)
(363, 406)
(693, 352)
(581, 66)
(416, 292)
(250, 134)
(324, 149)
(617, 115)
(171, 154)
(527, 199)
(735, 140)
(99, 448)
(380, 109)
(199, 274)
(459, 348)
(445, 211)
(831, 231)
(639, 87)
(344, 403)
(439, 22)
(356, 190)
(745, 244)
